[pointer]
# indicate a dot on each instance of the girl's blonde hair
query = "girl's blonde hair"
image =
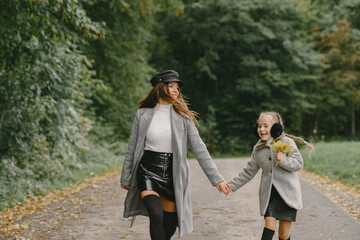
(278, 119)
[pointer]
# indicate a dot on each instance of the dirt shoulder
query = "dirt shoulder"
(346, 196)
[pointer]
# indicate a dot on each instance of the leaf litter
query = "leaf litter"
(34, 203)
(345, 195)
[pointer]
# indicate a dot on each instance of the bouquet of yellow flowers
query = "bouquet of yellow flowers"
(280, 147)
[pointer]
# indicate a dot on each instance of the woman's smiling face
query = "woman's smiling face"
(265, 122)
(173, 89)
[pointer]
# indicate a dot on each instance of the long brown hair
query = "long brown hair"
(277, 118)
(161, 90)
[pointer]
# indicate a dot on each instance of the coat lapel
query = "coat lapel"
(145, 122)
(177, 130)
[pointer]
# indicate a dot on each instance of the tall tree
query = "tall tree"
(121, 60)
(341, 80)
(45, 86)
(239, 58)
(337, 30)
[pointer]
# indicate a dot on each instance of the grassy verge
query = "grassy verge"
(340, 161)
(100, 159)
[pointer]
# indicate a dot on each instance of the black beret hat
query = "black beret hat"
(166, 76)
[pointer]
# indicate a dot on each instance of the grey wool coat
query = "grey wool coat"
(283, 176)
(183, 133)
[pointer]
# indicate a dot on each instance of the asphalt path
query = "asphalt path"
(96, 213)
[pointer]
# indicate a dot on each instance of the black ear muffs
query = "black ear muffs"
(276, 130)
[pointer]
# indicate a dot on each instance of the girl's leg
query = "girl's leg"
(153, 205)
(284, 229)
(170, 217)
(269, 229)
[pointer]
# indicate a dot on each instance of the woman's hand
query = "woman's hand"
(224, 187)
(126, 187)
(279, 156)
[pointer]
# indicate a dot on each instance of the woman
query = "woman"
(155, 170)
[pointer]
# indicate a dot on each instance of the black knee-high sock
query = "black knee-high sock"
(170, 223)
(154, 208)
(267, 234)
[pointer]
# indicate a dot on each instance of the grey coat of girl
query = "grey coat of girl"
(283, 176)
(184, 133)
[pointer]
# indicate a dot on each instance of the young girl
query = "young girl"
(155, 170)
(280, 192)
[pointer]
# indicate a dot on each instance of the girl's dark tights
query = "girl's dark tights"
(162, 224)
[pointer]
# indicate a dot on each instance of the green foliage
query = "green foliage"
(241, 58)
(45, 88)
(337, 160)
(337, 37)
(120, 60)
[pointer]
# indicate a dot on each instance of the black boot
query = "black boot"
(267, 234)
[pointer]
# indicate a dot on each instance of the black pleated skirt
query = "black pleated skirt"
(278, 208)
(155, 173)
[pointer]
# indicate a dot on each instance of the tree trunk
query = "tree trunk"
(353, 122)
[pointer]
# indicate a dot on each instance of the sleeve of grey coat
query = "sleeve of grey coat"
(129, 155)
(202, 155)
(246, 174)
(292, 162)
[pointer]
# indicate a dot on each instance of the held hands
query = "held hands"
(224, 187)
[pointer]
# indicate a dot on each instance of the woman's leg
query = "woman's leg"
(269, 229)
(153, 206)
(170, 217)
(270, 223)
(284, 229)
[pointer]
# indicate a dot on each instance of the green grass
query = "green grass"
(340, 161)
(100, 160)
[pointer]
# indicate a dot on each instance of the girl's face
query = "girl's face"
(265, 123)
(174, 89)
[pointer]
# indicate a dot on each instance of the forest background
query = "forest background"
(73, 71)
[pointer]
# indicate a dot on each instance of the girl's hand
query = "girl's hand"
(224, 187)
(279, 156)
(126, 187)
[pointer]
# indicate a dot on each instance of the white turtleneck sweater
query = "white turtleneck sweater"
(158, 137)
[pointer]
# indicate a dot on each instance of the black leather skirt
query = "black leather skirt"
(278, 208)
(155, 173)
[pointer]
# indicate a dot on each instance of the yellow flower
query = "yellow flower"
(280, 147)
